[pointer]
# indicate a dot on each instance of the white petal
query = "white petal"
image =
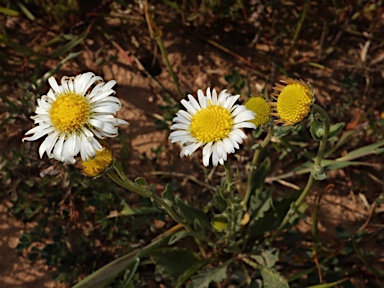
(193, 102)
(48, 144)
(189, 107)
(215, 156)
(52, 82)
(181, 126)
(244, 125)
(207, 151)
(188, 150)
(202, 99)
(230, 102)
(58, 150)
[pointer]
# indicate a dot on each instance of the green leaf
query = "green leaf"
(318, 172)
(130, 273)
(177, 236)
(219, 202)
(267, 258)
(103, 276)
(189, 272)
(26, 11)
(317, 130)
(69, 46)
(9, 12)
(43, 79)
(263, 218)
(174, 262)
(141, 181)
(281, 131)
(258, 177)
(207, 276)
(272, 279)
(128, 211)
(167, 195)
(363, 151)
(174, 5)
(329, 285)
(259, 204)
(335, 130)
(193, 216)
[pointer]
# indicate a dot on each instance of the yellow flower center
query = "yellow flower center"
(261, 109)
(97, 165)
(294, 103)
(220, 225)
(70, 112)
(210, 124)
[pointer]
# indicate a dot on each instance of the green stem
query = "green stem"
(228, 174)
(230, 199)
(132, 186)
(253, 167)
(317, 162)
(128, 184)
(119, 178)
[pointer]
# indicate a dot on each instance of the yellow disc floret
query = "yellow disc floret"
(70, 112)
(212, 123)
(261, 108)
(97, 165)
(293, 102)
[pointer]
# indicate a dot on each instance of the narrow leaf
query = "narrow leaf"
(9, 12)
(174, 262)
(131, 272)
(317, 130)
(363, 151)
(193, 215)
(335, 130)
(69, 46)
(207, 276)
(26, 12)
(328, 285)
(103, 276)
(273, 279)
(167, 195)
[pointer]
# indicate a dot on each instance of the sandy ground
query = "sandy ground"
(17, 271)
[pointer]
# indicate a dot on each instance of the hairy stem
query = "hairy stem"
(317, 162)
(119, 178)
(253, 164)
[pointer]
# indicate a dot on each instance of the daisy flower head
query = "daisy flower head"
(100, 163)
(293, 101)
(213, 122)
(72, 116)
(261, 108)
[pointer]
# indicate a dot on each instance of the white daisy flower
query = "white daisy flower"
(71, 115)
(214, 122)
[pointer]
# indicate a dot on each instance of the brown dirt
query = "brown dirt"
(206, 67)
(16, 270)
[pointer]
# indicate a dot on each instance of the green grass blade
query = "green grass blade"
(43, 79)
(9, 12)
(26, 12)
(102, 277)
(69, 46)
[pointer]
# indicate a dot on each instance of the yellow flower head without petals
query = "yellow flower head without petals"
(261, 108)
(293, 103)
(98, 164)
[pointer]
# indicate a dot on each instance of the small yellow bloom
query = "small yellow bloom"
(220, 224)
(293, 103)
(100, 163)
(260, 107)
